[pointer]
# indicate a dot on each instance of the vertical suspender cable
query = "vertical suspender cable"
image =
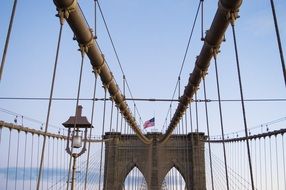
(8, 160)
(197, 114)
(221, 122)
(17, 160)
(242, 101)
(95, 20)
(90, 132)
(256, 168)
(121, 123)
(283, 152)
(111, 118)
(48, 164)
(49, 106)
(124, 94)
(111, 115)
(24, 166)
(117, 116)
(208, 131)
(202, 20)
(191, 117)
(197, 131)
(102, 133)
(57, 161)
(236, 155)
(278, 40)
(53, 155)
(277, 166)
(265, 162)
(38, 151)
(77, 103)
(270, 154)
(31, 161)
(187, 151)
(260, 165)
(8, 38)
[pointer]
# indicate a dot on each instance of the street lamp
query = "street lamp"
(75, 125)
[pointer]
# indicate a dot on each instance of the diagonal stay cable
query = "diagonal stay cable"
(212, 43)
(185, 56)
(116, 53)
(8, 38)
(75, 121)
(50, 105)
(90, 132)
(278, 40)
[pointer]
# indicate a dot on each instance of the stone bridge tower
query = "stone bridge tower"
(184, 152)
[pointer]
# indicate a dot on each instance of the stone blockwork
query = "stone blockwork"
(184, 152)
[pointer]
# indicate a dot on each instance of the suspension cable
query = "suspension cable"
(8, 38)
(255, 164)
(260, 163)
(221, 122)
(265, 162)
(48, 164)
(102, 133)
(31, 160)
(93, 101)
(58, 160)
(278, 40)
(53, 155)
(208, 132)
(50, 103)
(17, 159)
(277, 165)
(233, 17)
(95, 19)
(77, 103)
(187, 150)
(283, 152)
(186, 52)
(8, 160)
(213, 39)
(191, 117)
(202, 20)
(111, 115)
(117, 118)
(270, 154)
(115, 51)
(90, 132)
(24, 165)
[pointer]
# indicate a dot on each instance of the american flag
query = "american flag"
(149, 123)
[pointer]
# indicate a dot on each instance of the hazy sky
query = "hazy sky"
(151, 38)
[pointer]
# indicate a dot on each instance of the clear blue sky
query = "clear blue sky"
(150, 37)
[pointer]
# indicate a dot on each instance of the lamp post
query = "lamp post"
(77, 128)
